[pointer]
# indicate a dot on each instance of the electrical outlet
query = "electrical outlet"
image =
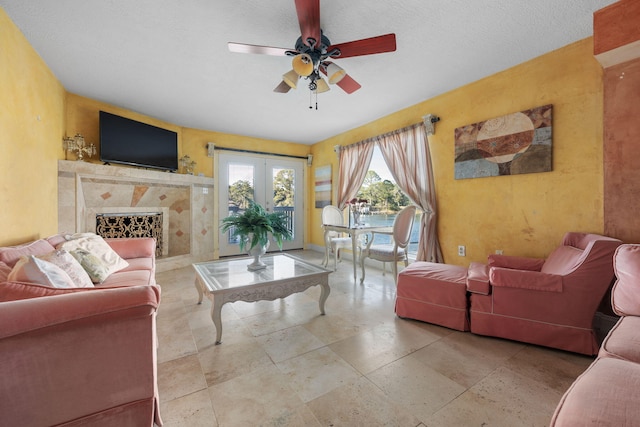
(205, 190)
(498, 251)
(462, 251)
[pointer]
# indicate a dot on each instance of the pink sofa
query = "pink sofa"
(606, 394)
(80, 356)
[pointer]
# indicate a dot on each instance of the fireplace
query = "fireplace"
(120, 225)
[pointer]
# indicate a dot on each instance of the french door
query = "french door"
(276, 183)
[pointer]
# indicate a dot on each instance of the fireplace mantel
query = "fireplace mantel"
(85, 189)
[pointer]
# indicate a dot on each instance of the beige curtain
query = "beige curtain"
(352, 169)
(406, 152)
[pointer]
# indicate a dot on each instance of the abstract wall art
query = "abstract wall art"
(323, 186)
(508, 145)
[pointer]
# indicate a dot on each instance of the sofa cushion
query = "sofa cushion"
(11, 254)
(563, 260)
(130, 278)
(95, 245)
(70, 265)
(604, 395)
(35, 270)
(625, 296)
(623, 341)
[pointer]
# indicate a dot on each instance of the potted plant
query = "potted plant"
(253, 227)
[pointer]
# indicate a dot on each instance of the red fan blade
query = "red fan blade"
(309, 19)
(348, 85)
(370, 46)
(283, 87)
(252, 48)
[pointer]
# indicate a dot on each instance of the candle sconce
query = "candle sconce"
(78, 146)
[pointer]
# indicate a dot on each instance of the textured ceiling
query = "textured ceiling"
(169, 59)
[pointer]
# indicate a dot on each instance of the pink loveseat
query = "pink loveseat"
(80, 356)
(606, 394)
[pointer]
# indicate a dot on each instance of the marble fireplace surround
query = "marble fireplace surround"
(186, 201)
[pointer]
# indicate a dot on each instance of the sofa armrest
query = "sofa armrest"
(515, 262)
(134, 247)
(478, 279)
(53, 347)
(524, 279)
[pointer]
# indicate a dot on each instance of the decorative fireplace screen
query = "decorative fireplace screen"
(121, 225)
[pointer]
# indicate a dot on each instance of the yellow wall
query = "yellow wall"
(520, 214)
(31, 131)
(523, 215)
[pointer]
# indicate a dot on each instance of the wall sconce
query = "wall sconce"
(78, 146)
(309, 159)
(187, 164)
(430, 121)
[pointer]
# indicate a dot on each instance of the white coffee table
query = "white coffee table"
(229, 280)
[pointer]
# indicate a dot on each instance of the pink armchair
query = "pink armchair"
(83, 357)
(548, 302)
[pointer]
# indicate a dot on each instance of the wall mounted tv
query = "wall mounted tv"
(129, 142)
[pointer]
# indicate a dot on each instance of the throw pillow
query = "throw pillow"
(71, 266)
(34, 270)
(95, 268)
(96, 245)
(4, 271)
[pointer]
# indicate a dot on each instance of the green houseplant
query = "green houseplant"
(253, 227)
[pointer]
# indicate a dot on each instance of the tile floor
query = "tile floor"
(283, 364)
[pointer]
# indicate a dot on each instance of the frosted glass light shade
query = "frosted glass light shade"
(322, 85)
(291, 78)
(302, 64)
(335, 73)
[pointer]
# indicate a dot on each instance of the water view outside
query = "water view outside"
(386, 220)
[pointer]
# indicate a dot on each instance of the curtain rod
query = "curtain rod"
(237, 150)
(374, 138)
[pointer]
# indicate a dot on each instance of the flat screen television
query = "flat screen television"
(130, 142)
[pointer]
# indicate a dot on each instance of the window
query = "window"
(385, 200)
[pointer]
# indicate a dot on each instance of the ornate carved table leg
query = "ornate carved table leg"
(200, 289)
(216, 316)
(324, 294)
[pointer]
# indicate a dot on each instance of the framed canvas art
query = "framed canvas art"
(323, 186)
(508, 145)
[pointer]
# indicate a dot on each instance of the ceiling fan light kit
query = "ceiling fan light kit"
(291, 78)
(302, 64)
(313, 50)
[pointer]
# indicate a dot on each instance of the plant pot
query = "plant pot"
(257, 251)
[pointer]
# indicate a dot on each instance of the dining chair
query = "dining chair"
(395, 251)
(333, 240)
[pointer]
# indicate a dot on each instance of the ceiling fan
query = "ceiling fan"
(313, 52)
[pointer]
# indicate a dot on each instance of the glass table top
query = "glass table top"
(233, 273)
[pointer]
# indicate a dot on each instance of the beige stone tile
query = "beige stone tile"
(383, 344)
(288, 343)
(360, 403)
(420, 389)
(180, 377)
(316, 373)
(175, 339)
(228, 360)
(286, 317)
(503, 398)
(262, 397)
(332, 328)
(233, 332)
(467, 358)
(556, 369)
(192, 410)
